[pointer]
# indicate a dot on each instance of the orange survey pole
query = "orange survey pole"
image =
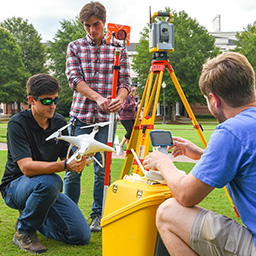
(120, 32)
(111, 128)
(112, 117)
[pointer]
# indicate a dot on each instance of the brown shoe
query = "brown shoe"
(28, 242)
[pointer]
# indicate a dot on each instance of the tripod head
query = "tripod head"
(161, 35)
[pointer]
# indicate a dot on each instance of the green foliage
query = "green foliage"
(246, 44)
(12, 71)
(142, 61)
(70, 31)
(33, 51)
(193, 45)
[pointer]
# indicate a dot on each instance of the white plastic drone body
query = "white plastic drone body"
(85, 143)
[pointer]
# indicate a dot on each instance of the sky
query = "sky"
(46, 15)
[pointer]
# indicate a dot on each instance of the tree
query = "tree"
(34, 52)
(142, 61)
(12, 71)
(246, 44)
(193, 45)
(70, 31)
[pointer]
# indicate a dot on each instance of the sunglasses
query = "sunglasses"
(47, 101)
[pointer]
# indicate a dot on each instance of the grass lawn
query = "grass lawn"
(216, 201)
(3, 128)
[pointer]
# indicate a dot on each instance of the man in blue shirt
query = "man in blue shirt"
(228, 84)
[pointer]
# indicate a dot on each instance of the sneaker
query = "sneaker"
(121, 149)
(95, 224)
(28, 242)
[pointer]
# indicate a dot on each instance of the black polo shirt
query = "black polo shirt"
(25, 138)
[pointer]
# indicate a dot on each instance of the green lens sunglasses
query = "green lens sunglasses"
(47, 101)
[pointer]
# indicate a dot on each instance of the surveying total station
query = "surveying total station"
(161, 37)
(128, 223)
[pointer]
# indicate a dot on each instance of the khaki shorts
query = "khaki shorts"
(214, 234)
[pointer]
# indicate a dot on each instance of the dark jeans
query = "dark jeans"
(46, 209)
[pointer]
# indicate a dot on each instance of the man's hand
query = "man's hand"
(187, 148)
(108, 105)
(111, 105)
(77, 166)
(115, 105)
(104, 103)
(155, 159)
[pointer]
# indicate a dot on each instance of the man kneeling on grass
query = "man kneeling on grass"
(30, 183)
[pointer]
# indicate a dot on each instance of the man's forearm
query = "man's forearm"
(32, 168)
(84, 89)
(122, 94)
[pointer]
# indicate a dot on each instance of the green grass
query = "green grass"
(3, 130)
(9, 216)
(186, 131)
(216, 201)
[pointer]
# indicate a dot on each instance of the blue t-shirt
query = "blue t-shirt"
(230, 159)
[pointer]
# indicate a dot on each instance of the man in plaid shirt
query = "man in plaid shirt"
(89, 69)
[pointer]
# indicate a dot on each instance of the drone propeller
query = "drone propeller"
(57, 133)
(97, 124)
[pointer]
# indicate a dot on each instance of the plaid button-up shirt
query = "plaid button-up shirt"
(85, 61)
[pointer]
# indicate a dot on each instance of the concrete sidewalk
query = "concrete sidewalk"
(3, 146)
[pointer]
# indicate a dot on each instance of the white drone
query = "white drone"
(85, 143)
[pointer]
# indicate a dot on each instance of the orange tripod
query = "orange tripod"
(144, 123)
(140, 139)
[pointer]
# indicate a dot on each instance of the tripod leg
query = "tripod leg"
(135, 131)
(140, 139)
(186, 105)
